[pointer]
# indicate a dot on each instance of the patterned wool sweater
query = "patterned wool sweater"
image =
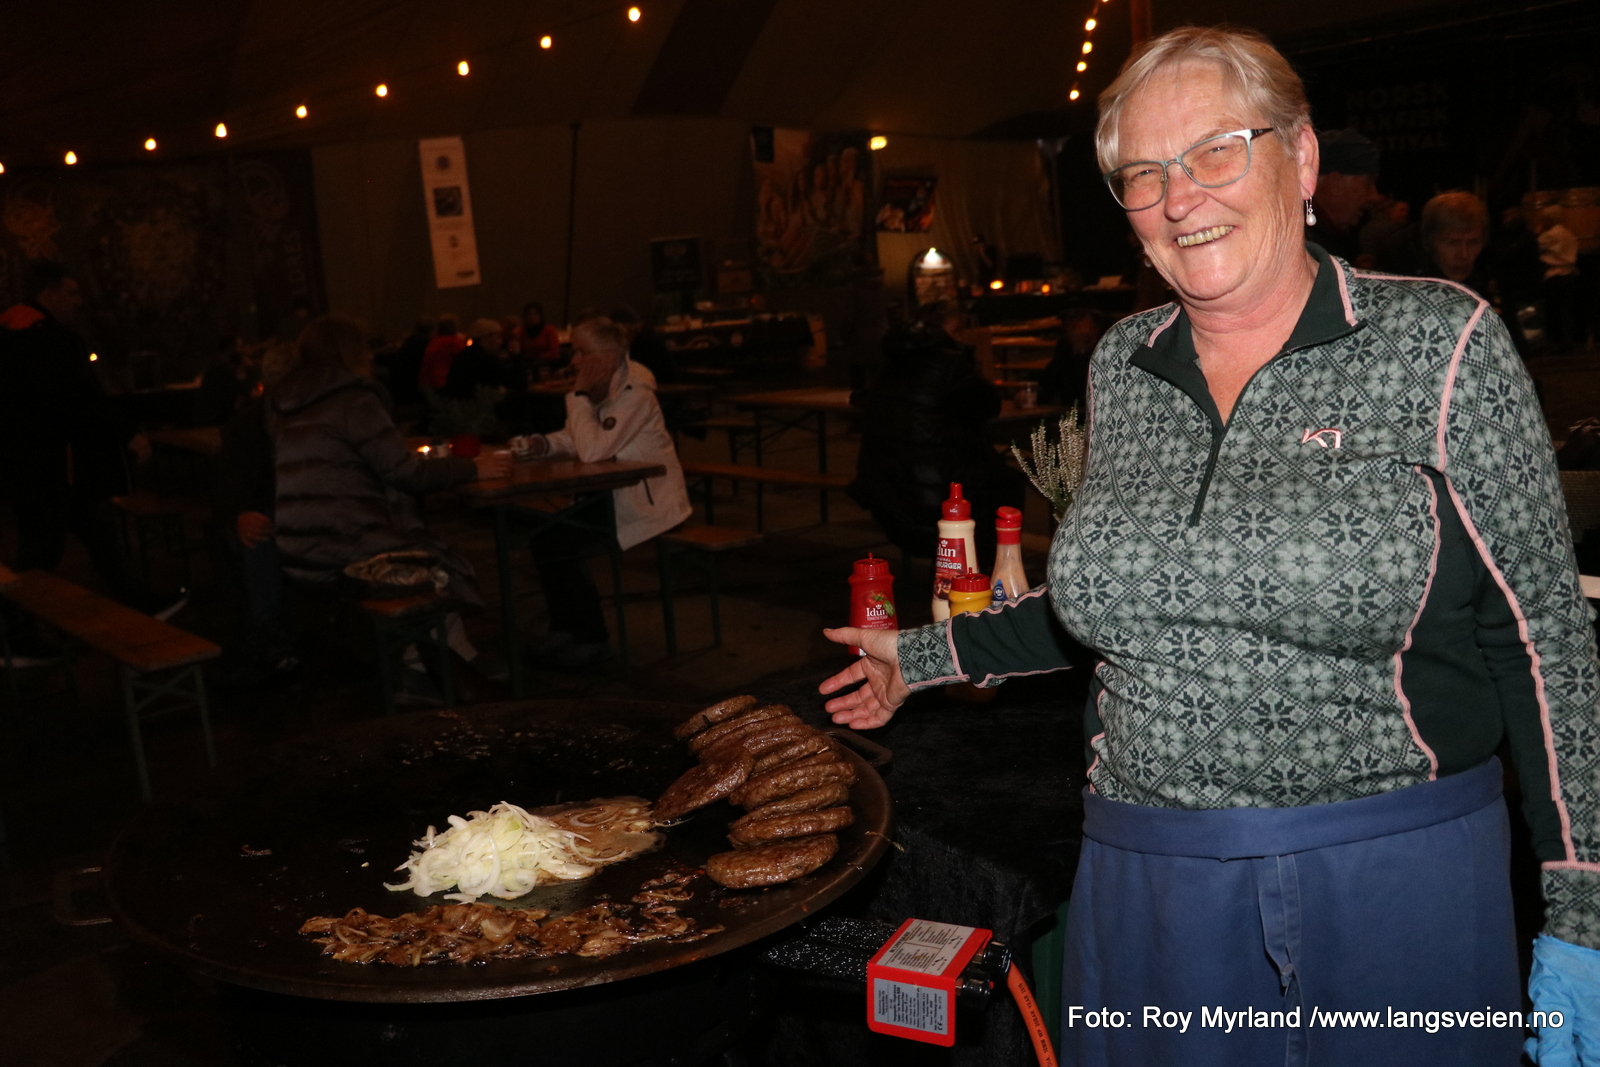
(1362, 581)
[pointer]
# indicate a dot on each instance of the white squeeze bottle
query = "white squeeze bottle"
(1009, 581)
(957, 553)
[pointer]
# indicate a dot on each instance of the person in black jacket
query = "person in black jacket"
(64, 443)
(925, 426)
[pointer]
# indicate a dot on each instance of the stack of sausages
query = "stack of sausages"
(792, 780)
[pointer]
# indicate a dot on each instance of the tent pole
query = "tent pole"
(572, 219)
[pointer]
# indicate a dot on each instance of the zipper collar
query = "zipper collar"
(1169, 351)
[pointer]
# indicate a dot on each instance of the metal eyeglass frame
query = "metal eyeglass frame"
(1248, 135)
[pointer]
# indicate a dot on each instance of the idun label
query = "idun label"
(872, 596)
(956, 553)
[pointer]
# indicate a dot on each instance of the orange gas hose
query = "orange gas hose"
(1031, 1017)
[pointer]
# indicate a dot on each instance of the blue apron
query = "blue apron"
(1374, 931)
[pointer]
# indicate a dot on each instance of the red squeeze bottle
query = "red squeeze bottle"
(872, 597)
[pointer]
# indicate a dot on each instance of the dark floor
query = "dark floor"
(78, 996)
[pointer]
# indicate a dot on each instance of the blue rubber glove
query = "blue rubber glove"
(1565, 979)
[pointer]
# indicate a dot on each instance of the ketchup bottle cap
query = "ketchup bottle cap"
(1008, 519)
(970, 583)
(871, 568)
(955, 507)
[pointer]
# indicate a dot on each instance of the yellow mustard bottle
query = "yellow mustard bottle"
(970, 593)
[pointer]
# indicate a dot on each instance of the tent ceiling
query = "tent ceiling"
(99, 78)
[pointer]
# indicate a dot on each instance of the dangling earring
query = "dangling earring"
(1311, 214)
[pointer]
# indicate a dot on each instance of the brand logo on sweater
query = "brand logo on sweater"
(1328, 438)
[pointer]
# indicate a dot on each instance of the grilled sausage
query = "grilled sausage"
(823, 796)
(743, 721)
(759, 742)
(743, 726)
(788, 780)
(716, 713)
(761, 832)
(703, 784)
(808, 745)
(771, 865)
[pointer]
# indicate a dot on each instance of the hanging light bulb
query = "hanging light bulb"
(878, 142)
(1088, 46)
(94, 357)
(2, 168)
(1073, 95)
(149, 144)
(70, 158)
(633, 14)
(221, 130)
(301, 112)
(1082, 66)
(1090, 25)
(463, 69)
(546, 41)
(382, 90)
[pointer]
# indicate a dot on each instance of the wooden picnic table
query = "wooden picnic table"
(591, 510)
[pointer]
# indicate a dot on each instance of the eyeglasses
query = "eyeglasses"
(1211, 164)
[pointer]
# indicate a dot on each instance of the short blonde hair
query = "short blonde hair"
(1455, 210)
(1253, 71)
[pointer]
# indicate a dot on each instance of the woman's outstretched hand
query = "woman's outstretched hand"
(872, 704)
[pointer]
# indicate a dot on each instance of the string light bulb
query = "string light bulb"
(1090, 25)
(71, 158)
(382, 90)
(1073, 95)
(546, 41)
(221, 130)
(149, 144)
(2, 168)
(1088, 46)
(463, 68)
(878, 142)
(633, 14)
(94, 357)
(1082, 66)
(301, 112)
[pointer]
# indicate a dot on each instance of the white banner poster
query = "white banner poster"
(444, 187)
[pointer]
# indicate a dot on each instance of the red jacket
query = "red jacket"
(436, 360)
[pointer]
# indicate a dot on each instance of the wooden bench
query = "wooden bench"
(142, 646)
(762, 477)
(398, 622)
(700, 546)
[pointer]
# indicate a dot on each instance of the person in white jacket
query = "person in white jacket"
(612, 413)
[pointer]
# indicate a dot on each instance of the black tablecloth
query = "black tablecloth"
(988, 810)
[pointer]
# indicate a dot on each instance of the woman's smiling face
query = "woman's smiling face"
(1226, 248)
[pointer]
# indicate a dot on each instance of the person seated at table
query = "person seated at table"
(1065, 379)
(925, 425)
(227, 382)
(612, 413)
(1445, 244)
(346, 481)
(447, 343)
(483, 364)
(537, 340)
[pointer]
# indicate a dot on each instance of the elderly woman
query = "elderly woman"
(1321, 561)
(612, 413)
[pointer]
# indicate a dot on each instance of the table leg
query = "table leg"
(822, 461)
(508, 602)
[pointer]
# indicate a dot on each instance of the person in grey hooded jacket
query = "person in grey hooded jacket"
(347, 482)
